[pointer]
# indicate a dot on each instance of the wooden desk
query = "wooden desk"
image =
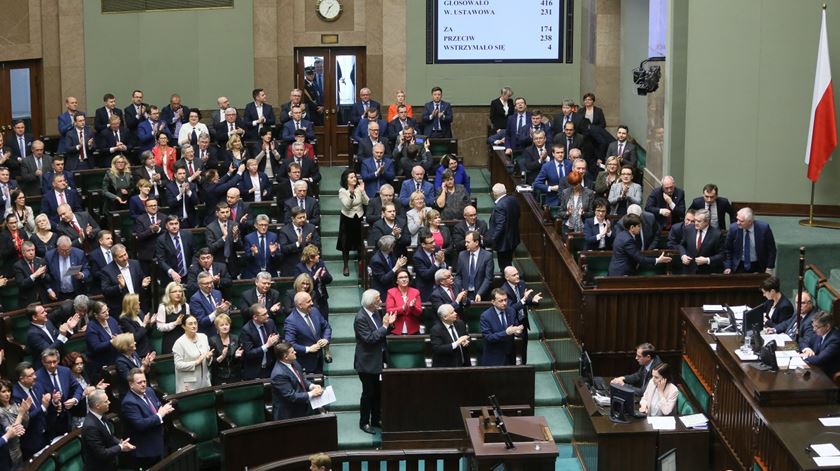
(740, 395)
(603, 444)
(534, 447)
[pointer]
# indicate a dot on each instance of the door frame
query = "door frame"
(36, 91)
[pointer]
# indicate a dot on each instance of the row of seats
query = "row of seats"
(826, 296)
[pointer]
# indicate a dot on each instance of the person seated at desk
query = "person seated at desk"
(808, 313)
(823, 348)
(648, 360)
(778, 307)
(660, 395)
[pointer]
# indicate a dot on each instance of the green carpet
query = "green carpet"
(351, 437)
(546, 390)
(538, 357)
(345, 298)
(558, 421)
(347, 389)
(342, 360)
(342, 327)
(336, 267)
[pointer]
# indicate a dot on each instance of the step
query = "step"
(350, 437)
(548, 315)
(558, 421)
(330, 205)
(336, 267)
(538, 357)
(567, 464)
(329, 227)
(342, 364)
(344, 298)
(528, 270)
(348, 390)
(329, 252)
(546, 389)
(566, 352)
(342, 327)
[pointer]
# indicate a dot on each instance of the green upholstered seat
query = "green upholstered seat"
(811, 280)
(684, 407)
(597, 263)
(19, 326)
(693, 385)
(10, 297)
(156, 340)
(47, 465)
(76, 344)
(825, 299)
(163, 374)
(244, 404)
(69, 456)
(405, 353)
(197, 417)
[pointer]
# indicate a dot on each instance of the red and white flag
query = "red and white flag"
(822, 134)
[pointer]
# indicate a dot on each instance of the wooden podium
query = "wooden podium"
(534, 447)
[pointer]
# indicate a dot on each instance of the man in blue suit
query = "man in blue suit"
(290, 390)
(627, 256)
(142, 414)
(437, 116)
(102, 116)
(42, 333)
(520, 298)
(525, 135)
(521, 118)
(40, 409)
(207, 303)
(597, 231)
(174, 250)
(66, 391)
(65, 122)
(475, 268)
(308, 333)
(552, 177)
(417, 183)
(503, 229)
(499, 326)
(360, 107)
(377, 170)
(297, 122)
(59, 195)
(148, 130)
(750, 246)
(372, 116)
(258, 115)
(59, 261)
(823, 348)
(426, 262)
(258, 338)
(262, 250)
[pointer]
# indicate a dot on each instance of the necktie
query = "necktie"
(699, 241)
(78, 229)
(502, 319)
(297, 125)
(190, 168)
(262, 252)
(38, 163)
(746, 255)
(437, 119)
(149, 403)
(153, 219)
(375, 319)
(107, 256)
(301, 204)
(228, 242)
(521, 122)
(233, 213)
(55, 382)
(311, 325)
(455, 338)
(389, 261)
(231, 129)
(61, 198)
(417, 186)
(32, 267)
(116, 137)
(263, 339)
(211, 300)
(299, 378)
(365, 104)
(82, 146)
(620, 149)
(297, 229)
(22, 144)
(472, 272)
(181, 265)
(261, 299)
(451, 293)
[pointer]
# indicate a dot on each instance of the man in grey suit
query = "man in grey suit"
(371, 354)
(32, 169)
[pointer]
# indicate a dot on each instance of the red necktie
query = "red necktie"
(82, 146)
(78, 229)
(61, 197)
(302, 384)
(451, 294)
(699, 240)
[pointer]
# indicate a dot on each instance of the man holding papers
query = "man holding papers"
(290, 390)
(823, 348)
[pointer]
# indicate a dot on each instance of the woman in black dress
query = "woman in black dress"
(353, 199)
(312, 265)
(227, 355)
(171, 313)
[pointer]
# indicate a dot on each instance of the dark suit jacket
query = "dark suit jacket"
(723, 208)
(251, 115)
(548, 176)
(201, 309)
(222, 130)
(131, 120)
(77, 257)
(249, 298)
(70, 388)
(638, 380)
(409, 187)
(253, 263)
(628, 153)
(8, 252)
(12, 143)
(577, 143)
(498, 345)
(806, 330)
(504, 222)
(146, 139)
(498, 117)
(31, 290)
(49, 204)
(36, 436)
(106, 140)
(765, 247)
(249, 339)
(590, 234)
(711, 247)
(358, 110)
(218, 245)
(483, 272)
(374, 209)
(37, 340)
(167, 115)
(380, 228)
(443, 355)
(111, 287)
(290, 399)
(84, 219)
(100, 448)
(145, 239)
(445, 119)
(597, 118)
(520, 308)
(655, 202)
(142, 426)
(371, 351)
(289, 249)
(626, 256)
(308, 170)
(365, 148)
(827, 352)
(29, 182)
(675, 235)
(65, 124)
(525, 134)
(424, 272)
(288, 133)
(225, 281)
(72, 155)
(166, 255)
(441, 296)
(529, 162)
(382, 276)
(308, 112)
(512, 130)
(373, 181)
(395, 127)
(298, 333)
(100, 120)
(313, 210)
(650, 229)
(175, 205)
(360, 133)
(783, 311)
(100, 352)
(245, 186)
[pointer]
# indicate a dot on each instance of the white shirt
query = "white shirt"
(126, 273)
(255, 183)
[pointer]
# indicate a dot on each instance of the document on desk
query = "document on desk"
(713, 308)
(662, 423)
(749, 356)
(324, 399)
(694, 420)
(825, 461)
(739, 311)
(830, 421)
(780, 339)
(825, 449)
(796, 362)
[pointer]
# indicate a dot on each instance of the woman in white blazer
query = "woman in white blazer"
(192, 358)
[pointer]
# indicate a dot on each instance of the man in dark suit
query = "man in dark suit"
(426, 262)
(750, 246)
(667, 203)
(143, 414)
(43, 335)
(151, 172)
(437, 116)
(551, 180)
(175, 114)
(65, 122)
(519, 299)
(206, 155)
(719, 207)
(471, 222)
(59, 261)
(146, 230)
(309, 170)
(59, 195)
(384, 265)
(182, 198)
(521, 118)
(206, 304)
(174, 250)
(296, 99)
(32, 168)
(297, 122)
(122, 277)
(407, 154)
(136, 112)
(579, 165)
(100, 448)
(360, 107)
(475, 268)
(701, 250)
(40, 409)
(371, 331)
(805, 329)
(286, 185)
(224, 239)
(375, 204)
(448, 290)
(364, 128)
(525, 136)
(419, 183)
(79, 226)
(204, 264)
(675, 235)
(20, 141)
(823, 348)
(148, 130)
(649, 232)
(504, 223)
(293, 238)
(377, 170)
(290, 390)
(258, 338)
(570, 139)
(449, 339)
(258, 114)
(31, 276)
(111, 141)
(373, 136)
(78, 143)
(597, 231)
(534, 157)
(57, 167)
(566, 115)
(647, 359)
(627, 255)
(6, 187)
(308, 333)
(67, 392)
(499, 326)
(398, 125)
(102, 117)
(264, 295)
(262, 250)
(301, 200)
(230, 126)
(624, 150)
(390, 224)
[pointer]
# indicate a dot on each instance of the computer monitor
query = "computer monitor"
(733, 323)
(767, 357)
(585, 367)
(621, 403)
(667, 461)
(754, 319)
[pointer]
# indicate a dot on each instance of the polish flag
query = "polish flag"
(822, 134)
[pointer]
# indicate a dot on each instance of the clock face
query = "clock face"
(329, 10)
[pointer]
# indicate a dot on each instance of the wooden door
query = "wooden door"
(339, 74)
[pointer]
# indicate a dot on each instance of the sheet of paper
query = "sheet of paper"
(746, 356)
(694, 420)
(797, 362)
(713, 308)
(827, 461)
(786, 353)
(498, 147)
(825, 449)
(726, 334)
(662, 423)
(739, 311)
(73, 270)
(780, 339)
(830, 421)
(327, 398)
(713, 346)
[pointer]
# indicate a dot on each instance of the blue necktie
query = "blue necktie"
(746, 254)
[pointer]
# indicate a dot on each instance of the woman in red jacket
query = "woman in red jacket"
(405, 302)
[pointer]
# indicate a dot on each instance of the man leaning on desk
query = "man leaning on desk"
(648, 359)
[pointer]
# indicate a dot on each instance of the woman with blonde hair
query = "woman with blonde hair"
(44, 238)
(128, 359)
(171, 312)
(303, 282)
(607, 177)
(416, 215)
(116, 184)
(312, 265)
(393, 108)
(193, 357)
(137, 203)
(227, 361)
(131, 321)
(235, 153)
